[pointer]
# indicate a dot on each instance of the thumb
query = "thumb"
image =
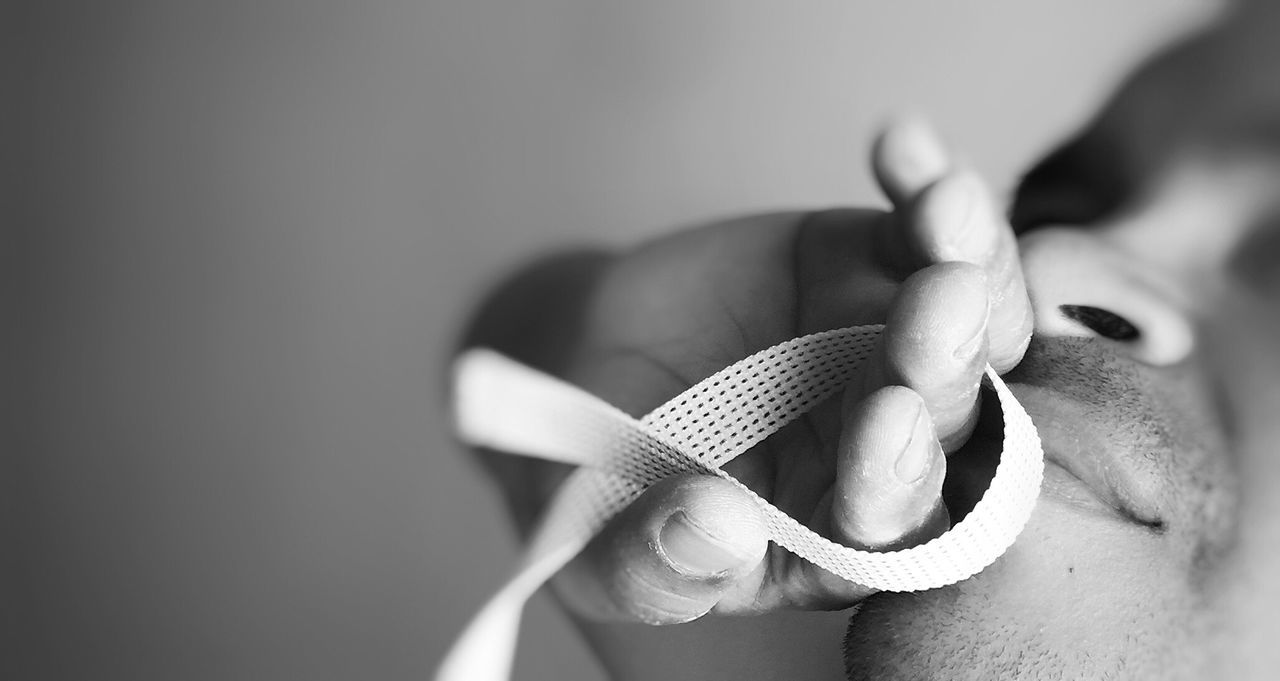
(670, 556)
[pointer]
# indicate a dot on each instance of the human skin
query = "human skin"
(1181, 240)
(941, 269)
(670, 312)
(1152, 552)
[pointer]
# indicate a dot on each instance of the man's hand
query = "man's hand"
(941, 270)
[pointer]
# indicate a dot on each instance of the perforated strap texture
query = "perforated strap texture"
(507, 406)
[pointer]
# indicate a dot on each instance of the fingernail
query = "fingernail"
(693, 551)
(948, 206)
(970, 348)
(970, 293)
(973, 236)
(923, 155)
(913, 460)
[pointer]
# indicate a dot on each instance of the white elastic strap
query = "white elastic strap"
(507, 406)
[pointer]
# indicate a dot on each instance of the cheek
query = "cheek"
(1245, 345)
(1076, 597)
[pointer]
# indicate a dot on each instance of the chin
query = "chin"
(1079, 596)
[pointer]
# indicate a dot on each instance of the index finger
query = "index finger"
(949, 214)
(982, 238)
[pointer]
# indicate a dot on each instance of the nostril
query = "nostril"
(1105, 323)
(1155, 326)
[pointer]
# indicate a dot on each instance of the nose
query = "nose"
(1083, 286)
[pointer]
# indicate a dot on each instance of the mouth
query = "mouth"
(1063, 487)
(1088, 463)
(1088, 468)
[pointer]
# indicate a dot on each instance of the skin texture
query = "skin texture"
(1082, 594)
(938, 269)
(1153, 550)
(1182, 248)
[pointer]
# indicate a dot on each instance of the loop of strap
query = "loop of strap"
(507, 406)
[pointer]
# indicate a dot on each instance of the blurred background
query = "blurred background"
(246, 234)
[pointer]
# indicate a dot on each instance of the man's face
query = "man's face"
(1154, 378)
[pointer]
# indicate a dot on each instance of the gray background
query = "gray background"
(248, 232)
